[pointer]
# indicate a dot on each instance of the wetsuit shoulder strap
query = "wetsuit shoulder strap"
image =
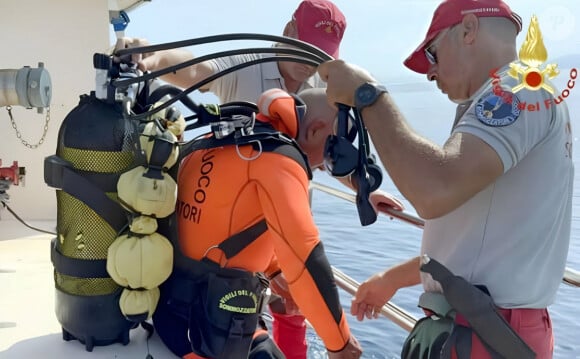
(264, 136)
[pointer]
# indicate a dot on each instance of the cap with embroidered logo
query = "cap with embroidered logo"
(320, 23)
(451, 12)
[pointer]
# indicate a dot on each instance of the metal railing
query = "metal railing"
(571, 277)
(394, 313)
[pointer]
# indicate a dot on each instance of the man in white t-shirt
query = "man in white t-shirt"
(497, 195)
(318, 22)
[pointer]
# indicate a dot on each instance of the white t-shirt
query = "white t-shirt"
(513, 236)
(247, 84)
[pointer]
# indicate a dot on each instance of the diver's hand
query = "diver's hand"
(342, 80)
(287, 306)
(352, 350)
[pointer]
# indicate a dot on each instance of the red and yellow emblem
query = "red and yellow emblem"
(533, 54)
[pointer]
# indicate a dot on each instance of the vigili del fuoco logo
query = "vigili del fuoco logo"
(532, 76)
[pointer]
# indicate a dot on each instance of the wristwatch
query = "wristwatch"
(367, 93)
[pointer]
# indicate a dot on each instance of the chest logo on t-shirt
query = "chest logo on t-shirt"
(497, 110)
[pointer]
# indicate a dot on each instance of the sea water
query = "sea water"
(362, 251)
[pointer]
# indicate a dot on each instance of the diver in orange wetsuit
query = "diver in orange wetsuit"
(224, 191)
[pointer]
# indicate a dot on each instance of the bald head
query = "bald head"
(317, 105)
(316, 125)
(497, 45)
(500, 28)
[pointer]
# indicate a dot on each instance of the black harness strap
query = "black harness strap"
(270, 140)
(292, 151)
(236, 243)
(479, 310)
(75, 267)
(58, 173)
(161, 151)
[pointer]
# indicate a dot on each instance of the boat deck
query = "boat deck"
(28, 325)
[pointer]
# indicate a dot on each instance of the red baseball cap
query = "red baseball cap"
(451, 12)
(320, 23)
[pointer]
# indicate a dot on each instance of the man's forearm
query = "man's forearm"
(415, 164)
(406, 274)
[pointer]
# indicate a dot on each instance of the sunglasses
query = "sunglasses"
(431, 55)
(431, 50)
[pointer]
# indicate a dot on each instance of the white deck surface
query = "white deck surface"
(28, 325)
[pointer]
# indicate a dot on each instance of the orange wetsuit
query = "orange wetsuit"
(222, 191)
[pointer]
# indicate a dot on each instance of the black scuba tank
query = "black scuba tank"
(96, 144)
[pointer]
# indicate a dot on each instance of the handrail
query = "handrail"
(571, 276)
(389, 310)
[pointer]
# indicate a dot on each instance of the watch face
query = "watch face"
(366, 94)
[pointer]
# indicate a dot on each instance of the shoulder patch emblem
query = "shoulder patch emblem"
(497, 110)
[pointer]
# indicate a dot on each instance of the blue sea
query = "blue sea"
(362, 251)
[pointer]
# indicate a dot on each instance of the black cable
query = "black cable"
(317, 60)
(171, 90)
(22, 221)
(215, 76)
(306, 53)
(224, 37)
(150, 330)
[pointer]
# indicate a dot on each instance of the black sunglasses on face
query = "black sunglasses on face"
(431, 55)
(431, 50)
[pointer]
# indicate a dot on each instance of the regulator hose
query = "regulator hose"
(300, 52)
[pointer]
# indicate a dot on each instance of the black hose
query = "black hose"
(200, 84)
(316, 60)
(225, 37)
(303, 53)
(165, 90)
(23, 222)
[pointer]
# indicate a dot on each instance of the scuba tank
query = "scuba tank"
(97, 143)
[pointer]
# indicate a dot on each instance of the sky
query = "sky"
(380, 34)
